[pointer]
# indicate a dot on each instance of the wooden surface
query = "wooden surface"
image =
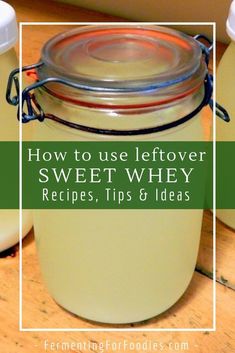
(39, 310)
(225, 248)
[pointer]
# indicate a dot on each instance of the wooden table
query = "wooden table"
(193, 310)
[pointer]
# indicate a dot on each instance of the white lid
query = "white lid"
(8, 27)
(230, 25)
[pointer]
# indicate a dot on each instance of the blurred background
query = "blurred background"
(165, 10)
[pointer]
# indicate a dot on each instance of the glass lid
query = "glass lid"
(116, 56)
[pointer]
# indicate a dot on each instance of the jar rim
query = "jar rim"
(156, 62)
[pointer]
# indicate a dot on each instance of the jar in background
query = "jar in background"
(226, 96)
(9, 219)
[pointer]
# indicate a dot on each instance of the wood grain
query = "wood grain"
(225, 247)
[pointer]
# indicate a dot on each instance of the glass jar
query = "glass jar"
(119, 83)
(9, 219)
(225, 94)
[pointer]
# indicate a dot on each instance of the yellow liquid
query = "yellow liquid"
(116, 266)
(9, 125)
(9, 131)
(226, 97)
(9, 227)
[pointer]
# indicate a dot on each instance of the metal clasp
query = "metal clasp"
(220, 111)
(35, 112)
(13, 82)
(206, 50)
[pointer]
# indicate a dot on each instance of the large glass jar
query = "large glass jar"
(137, 83)
(225, 94)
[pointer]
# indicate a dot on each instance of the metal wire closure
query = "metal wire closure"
(35, 112)
(205, 101)
(14, 81)
(220, 111)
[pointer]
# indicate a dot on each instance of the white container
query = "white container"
(226, 97)
(9, 219)
(119, 266)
